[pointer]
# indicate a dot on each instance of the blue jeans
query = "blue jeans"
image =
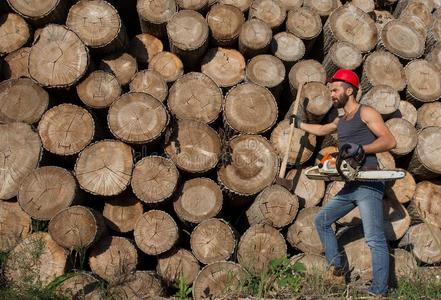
(368, 196)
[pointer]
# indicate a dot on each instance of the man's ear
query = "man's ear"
(349, 91)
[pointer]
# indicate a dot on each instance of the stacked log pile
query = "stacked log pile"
(148, 135)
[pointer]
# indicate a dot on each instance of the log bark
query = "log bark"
(384, 99)
(272, 12)
(121, 213)
(82, 285)
(427, 200)
(58, 57)
(22, 100)
(105, 167)
(193, 146)
(423, 82)
(288, 48)
(77, 227)
(168, 65)
(149, 82)
(423, 240)
(213, 240)
(14, 33)
(144, 46)
(302, 143)
(404, 134)
(258, 246)
(178, 264)
(154, 179)
(243, 5)
(323, 7)
(408, 112)
(225, 66)
(99, 89)
(401, 190)
(15, 225)
(39, 13)
(305, 71)
(213, 280)
(195, 96)
(35, 260)
(46, 191)
(426, 162)
(342, 55)
(155, 232)
(396, 220)
(225, 22)
(123, 66)
(250, 108)
(154, 15)
(433, 34)
(309, 192)
(113, 259)
(429, 114)
(21, 152)
(199, 199)
(252, 166)
(433, 57)
(66, 129)
(98, 25)
(137, 118)
(254, 38)
(139, 285)
(16, 64)
(275, 206)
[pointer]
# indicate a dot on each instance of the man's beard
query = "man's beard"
(342, 100)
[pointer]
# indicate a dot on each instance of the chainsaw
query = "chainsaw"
(332, 168)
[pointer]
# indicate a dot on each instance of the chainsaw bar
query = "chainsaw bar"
(374, 175)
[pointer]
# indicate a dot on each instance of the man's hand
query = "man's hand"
(355, 151)
(296, 119)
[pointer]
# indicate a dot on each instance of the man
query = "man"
(362, 132)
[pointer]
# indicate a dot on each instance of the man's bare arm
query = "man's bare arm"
(320, 130)
(385, 140)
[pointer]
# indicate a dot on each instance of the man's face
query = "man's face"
(339, 94)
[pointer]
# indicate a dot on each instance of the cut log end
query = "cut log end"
(225, 22)
(310, 192)
(123, 66)
(423, 81)
(272, 12)
(150, 82)
(15, 225)
(302, 234)
(14, 33)
(122, 212)
(405, 135)
(304, 23)
(288, 47)
(16, 64)
(99, 89)
(139, 285)
(168, 65)
(178, 265)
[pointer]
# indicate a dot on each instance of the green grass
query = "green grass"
(417, 288)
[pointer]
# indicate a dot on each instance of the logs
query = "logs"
(288, 48)
(225, 22)
(383, 98)
(425, 162)
(342, 55)
(168, 65)
(122, 213)
(272, 12)
(404, 134)
(317, 104)
(424, 242)
(309, 192)
(154, 15)
(396, 220)
(14, 33)
(149, 82)
(139, 285)
(306, 71)
(99, 89)
(15, 225)
(41, 12)
(177, 265)
(424, 81)
(123, 66)
(243, 5)
(426, 202)
(81, 284)
(16, 64)
(304, 23)
(429, 114)
(144, 46)
(408, 112)
(254, 38)
(402, 190)
(323, 7)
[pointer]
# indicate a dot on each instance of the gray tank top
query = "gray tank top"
(356, 131)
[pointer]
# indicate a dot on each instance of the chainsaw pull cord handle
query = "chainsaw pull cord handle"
(340, 161)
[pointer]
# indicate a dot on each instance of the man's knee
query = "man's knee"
(320, 220)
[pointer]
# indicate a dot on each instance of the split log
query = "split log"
(403, 265)
(408, 112)
(197, 5)
(253, 165)
(139, 285)
(123, 66)
(401, 40)
(250, 108)
(193, 146)
(113, 259)
(427, 201)
(58, 57)
(272, 12)
(66, 129)
(302, 143)
(41, 12)
(14, 33)
(155, 232)
(423, 81)
(199, 199)
(99, 89)
(305, 71)
(46, 191)
(268, 71)
(212, 240)
(154, 15)
(214, 280)
(187, 33)
(254, 38)
(396, 220)
(342, 55)
(401, 190)
(405, 135)
(292, 4)
(22, 100)
(423, 240)
(179, 264)
(304, 23)
(225, 22)
(82, 285)
(105, 167)
(426, 162)
(16, 64)
(98, 25)
(275, 206)
(21, 152)
(149, 82)
(122, 212)
(429, 114)
(35, 260)
(323, 7)
(225, 66)
(15, 225)
(144, 46)
(168, 65)
(309, 192)
(288, 48)
(137, 118)
(154, 179)
(350, 24)
(382, 68)
(434, 34)
(243, 5)
(258, 246)
(383, 98)
(195, 96)
(367, 6)
(433, 57)
(302, 234)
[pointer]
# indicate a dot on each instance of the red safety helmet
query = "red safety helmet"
(347, 76)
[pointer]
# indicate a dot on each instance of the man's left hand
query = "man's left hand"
(355, 151)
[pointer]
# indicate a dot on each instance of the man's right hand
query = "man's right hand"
(296, 119)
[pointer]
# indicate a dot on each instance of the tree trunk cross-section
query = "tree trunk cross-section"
(99, 89)
(225, 22)
(139, 285)
(405, 135)
(309, 192)
(408, 112)
(123, 66)
(383, 98)
(426, 161)
(176, 264)
(304, 23)
(82, 285)
(122, 212)
(396, 219)
(144, 46)
(424, 242)
(15, 225)
(287, 47)
(322, 7)
(427, 200)
(168, 65)
(305, 71)
(14, 33)
(272, 12)
(343, 55)
(423, 81)
(243, 5)
(429, 114)
(402, 190)
(254, 38)
(16, 64)
(40, 12)
(268, 71)
(149, 82)
(154, 15)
